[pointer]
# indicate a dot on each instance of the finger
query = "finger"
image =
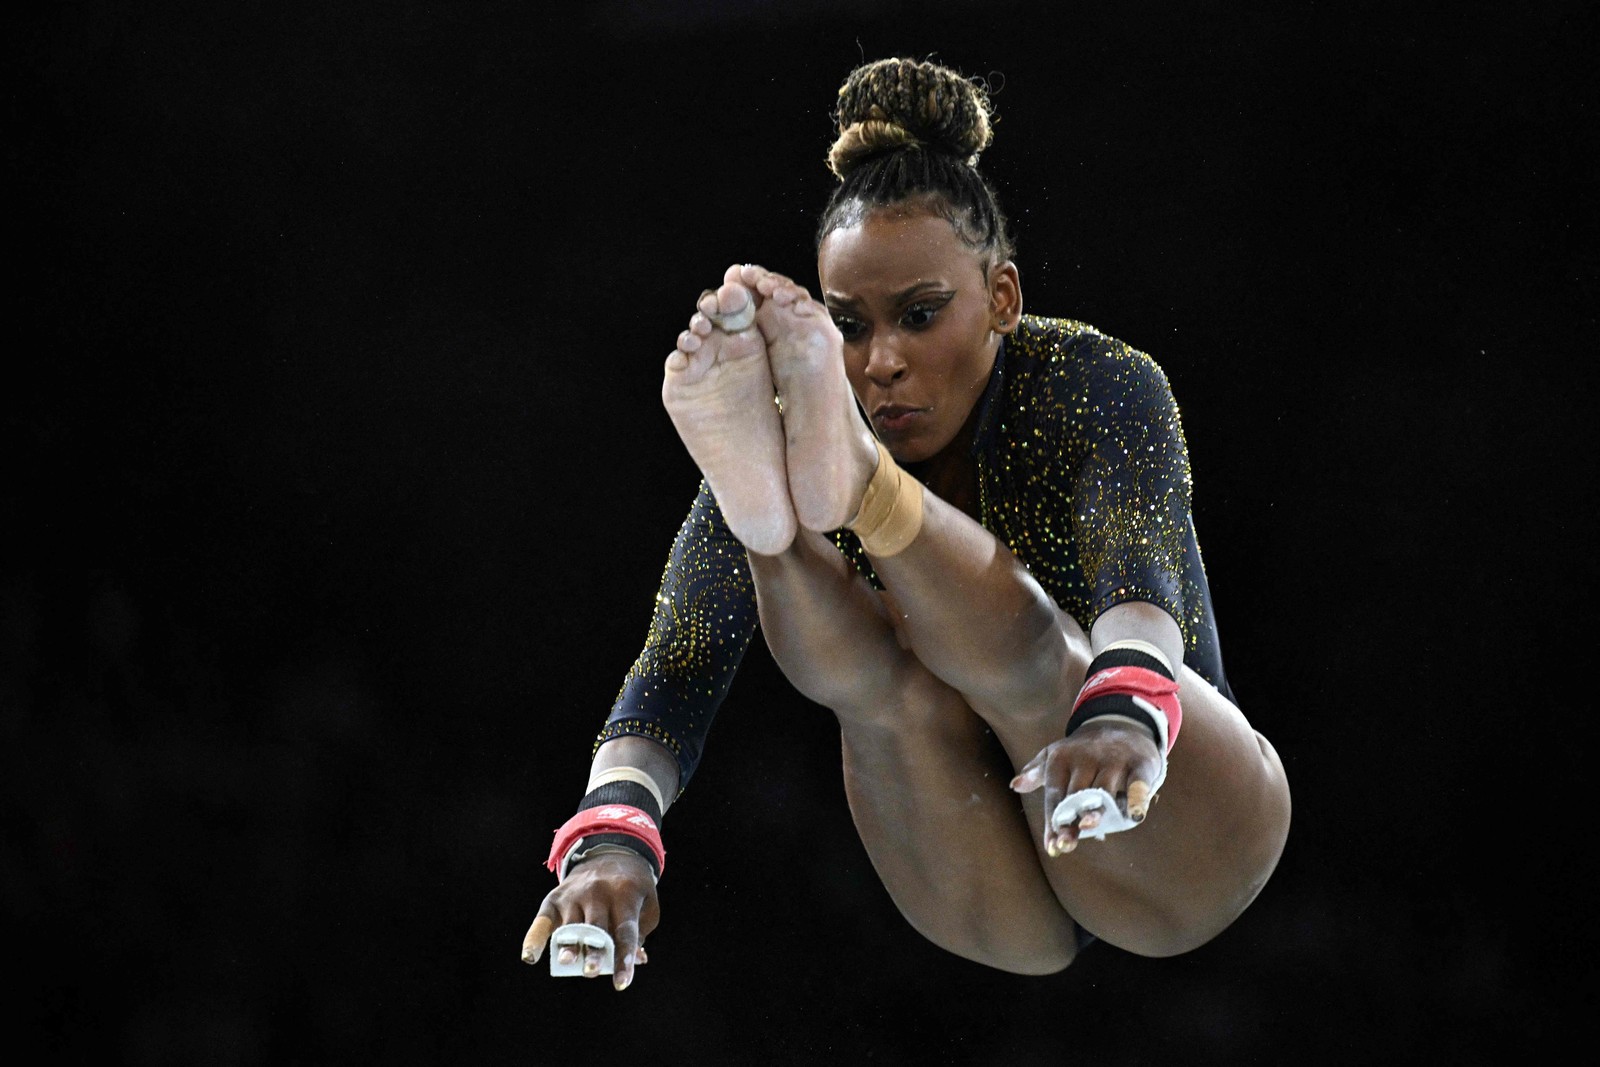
(1066, 837)
(1061, 780)
(537, 937)
(593, 957)
(1028, 780)
(1069, 834)
(1052, 800)
(1114, 780)
(700, 325)
(1138, 799)
(688, 342)
(626, 936)
(1031, 776)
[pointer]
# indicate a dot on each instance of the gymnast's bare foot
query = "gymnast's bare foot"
(719, 392)
(831, 455)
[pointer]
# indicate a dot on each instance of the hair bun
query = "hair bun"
(898, 103)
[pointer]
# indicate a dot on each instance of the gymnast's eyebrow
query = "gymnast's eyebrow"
(837, 299)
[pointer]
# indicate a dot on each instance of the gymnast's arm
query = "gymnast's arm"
(1121, 460)
(1131, 496)
(704, 618)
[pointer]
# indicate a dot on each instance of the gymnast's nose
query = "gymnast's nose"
(885, 365)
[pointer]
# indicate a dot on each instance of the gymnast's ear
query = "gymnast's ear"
(1005, 297)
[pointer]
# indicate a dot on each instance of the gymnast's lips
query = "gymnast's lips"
(894, 416)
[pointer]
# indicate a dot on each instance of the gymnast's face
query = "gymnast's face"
(920, 323)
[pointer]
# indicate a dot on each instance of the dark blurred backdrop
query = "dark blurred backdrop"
(339, 486)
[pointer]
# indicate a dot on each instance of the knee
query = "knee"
(893, 689)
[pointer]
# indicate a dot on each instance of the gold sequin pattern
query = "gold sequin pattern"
(702, 622)
(1103, 472)
(1083, 472)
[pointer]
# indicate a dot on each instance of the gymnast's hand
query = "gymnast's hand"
(613, 891)
(1116, 756)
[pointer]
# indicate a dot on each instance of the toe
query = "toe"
(732, 298)
(749, 275)
(772, 284)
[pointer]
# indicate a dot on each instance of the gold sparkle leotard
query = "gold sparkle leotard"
(1082, 472)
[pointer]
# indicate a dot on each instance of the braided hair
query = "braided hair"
(913, 131)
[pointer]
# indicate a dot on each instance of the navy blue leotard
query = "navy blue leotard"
(1082, 472)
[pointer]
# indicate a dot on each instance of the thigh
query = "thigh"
(1211, 840)
(926, 780)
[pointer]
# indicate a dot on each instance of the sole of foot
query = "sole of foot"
(829, 450)
(719, 392)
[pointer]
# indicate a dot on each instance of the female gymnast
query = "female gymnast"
(967, 532)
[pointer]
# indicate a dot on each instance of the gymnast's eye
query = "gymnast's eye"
(920, 315)
(848, 327)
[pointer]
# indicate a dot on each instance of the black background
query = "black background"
(339, 486)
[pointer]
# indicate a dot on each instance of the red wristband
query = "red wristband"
(1140, 683)
(606, 819)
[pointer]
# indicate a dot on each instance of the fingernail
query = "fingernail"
(529, 956)
(623, 981)
(1069, 846)
(1050, 848)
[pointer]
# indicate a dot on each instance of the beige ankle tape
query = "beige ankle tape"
(891, 510)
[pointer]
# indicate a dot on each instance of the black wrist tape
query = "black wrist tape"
(633, 795)
(1126, 657)
(1114, 705)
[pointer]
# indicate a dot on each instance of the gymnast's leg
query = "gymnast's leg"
(926, 779)
(981, 624)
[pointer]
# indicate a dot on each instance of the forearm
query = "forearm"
(1139, 621)
(641, 753)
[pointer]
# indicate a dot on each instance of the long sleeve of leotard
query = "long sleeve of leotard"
(1084, 474)
(1131, 487)
(704, 617)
